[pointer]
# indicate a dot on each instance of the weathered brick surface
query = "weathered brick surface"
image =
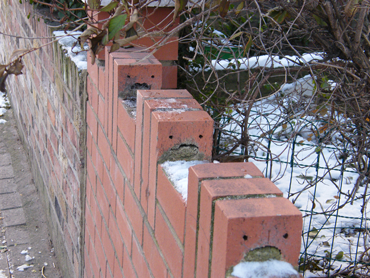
(48, 101)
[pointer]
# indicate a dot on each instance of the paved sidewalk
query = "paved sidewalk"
(23, 229)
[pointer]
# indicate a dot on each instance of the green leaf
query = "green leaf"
(239, 8)
(115, 25)
(236, 35)
(109, 7)
(339, 256)
(248, 45)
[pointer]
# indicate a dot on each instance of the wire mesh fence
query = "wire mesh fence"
(310, 162)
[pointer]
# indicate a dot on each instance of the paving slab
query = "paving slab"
(5, 159)
(14, 217)
(6, 172)
(7, 186)
(16, 235)
(10, 201)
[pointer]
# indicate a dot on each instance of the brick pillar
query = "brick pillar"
(218, 237)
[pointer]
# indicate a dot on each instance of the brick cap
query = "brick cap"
(226, 170)
(240, 187)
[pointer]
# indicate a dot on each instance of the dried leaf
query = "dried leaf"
(94, 4)
(224, 7)
(109, 7)
(16, 67)
(2, 82)
(179, 6)
(97, 45)
(17, 53)
(86, 35)
(114, 47)
(2, 69)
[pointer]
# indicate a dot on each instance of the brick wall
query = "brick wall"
(113, 211)
(137, 224)
(48, 101)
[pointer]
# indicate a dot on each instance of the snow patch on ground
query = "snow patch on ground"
(266, 61)
(272, 268)
(4, 105)
(177, 172)
(77, 55)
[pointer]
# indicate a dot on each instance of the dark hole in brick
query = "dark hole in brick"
(285, 235)
(170, 137)
(152, 76)
(201, 136)
(245, 237)
(128, 76)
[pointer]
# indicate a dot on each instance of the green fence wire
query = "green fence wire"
(334, 237)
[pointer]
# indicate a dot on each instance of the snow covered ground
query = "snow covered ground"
(4, 106)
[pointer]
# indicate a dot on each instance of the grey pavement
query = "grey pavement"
(23, 227)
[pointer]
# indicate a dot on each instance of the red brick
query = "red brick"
(118, 180)
(125, 159)
(169, 77)
(108, 247)
(124, 226)
(128, 268)
(91, 121)
(158, 19)
(51, 113)
(102, 201)
(99, 249)
(212, 190)
(116, 238)
(138, 260)
(101, 71)
(272, 222)
(104, 147)
(102, 112)
(153, 256)
(109, 190)
(169, 51)
(93, 71)
(134, 214)
(196, 175)
(93, 95)
(117, 271)
(113, 94)
(143, 113)
(94, 262)
(169, 129)
(126, 125)
(172, 203)
(136, 70)
(170, 248)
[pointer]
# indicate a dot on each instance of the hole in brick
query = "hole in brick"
(285, 235)
(201, 136)
(170, 137)
(128, 76)
(152, 76)
(245, 237)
